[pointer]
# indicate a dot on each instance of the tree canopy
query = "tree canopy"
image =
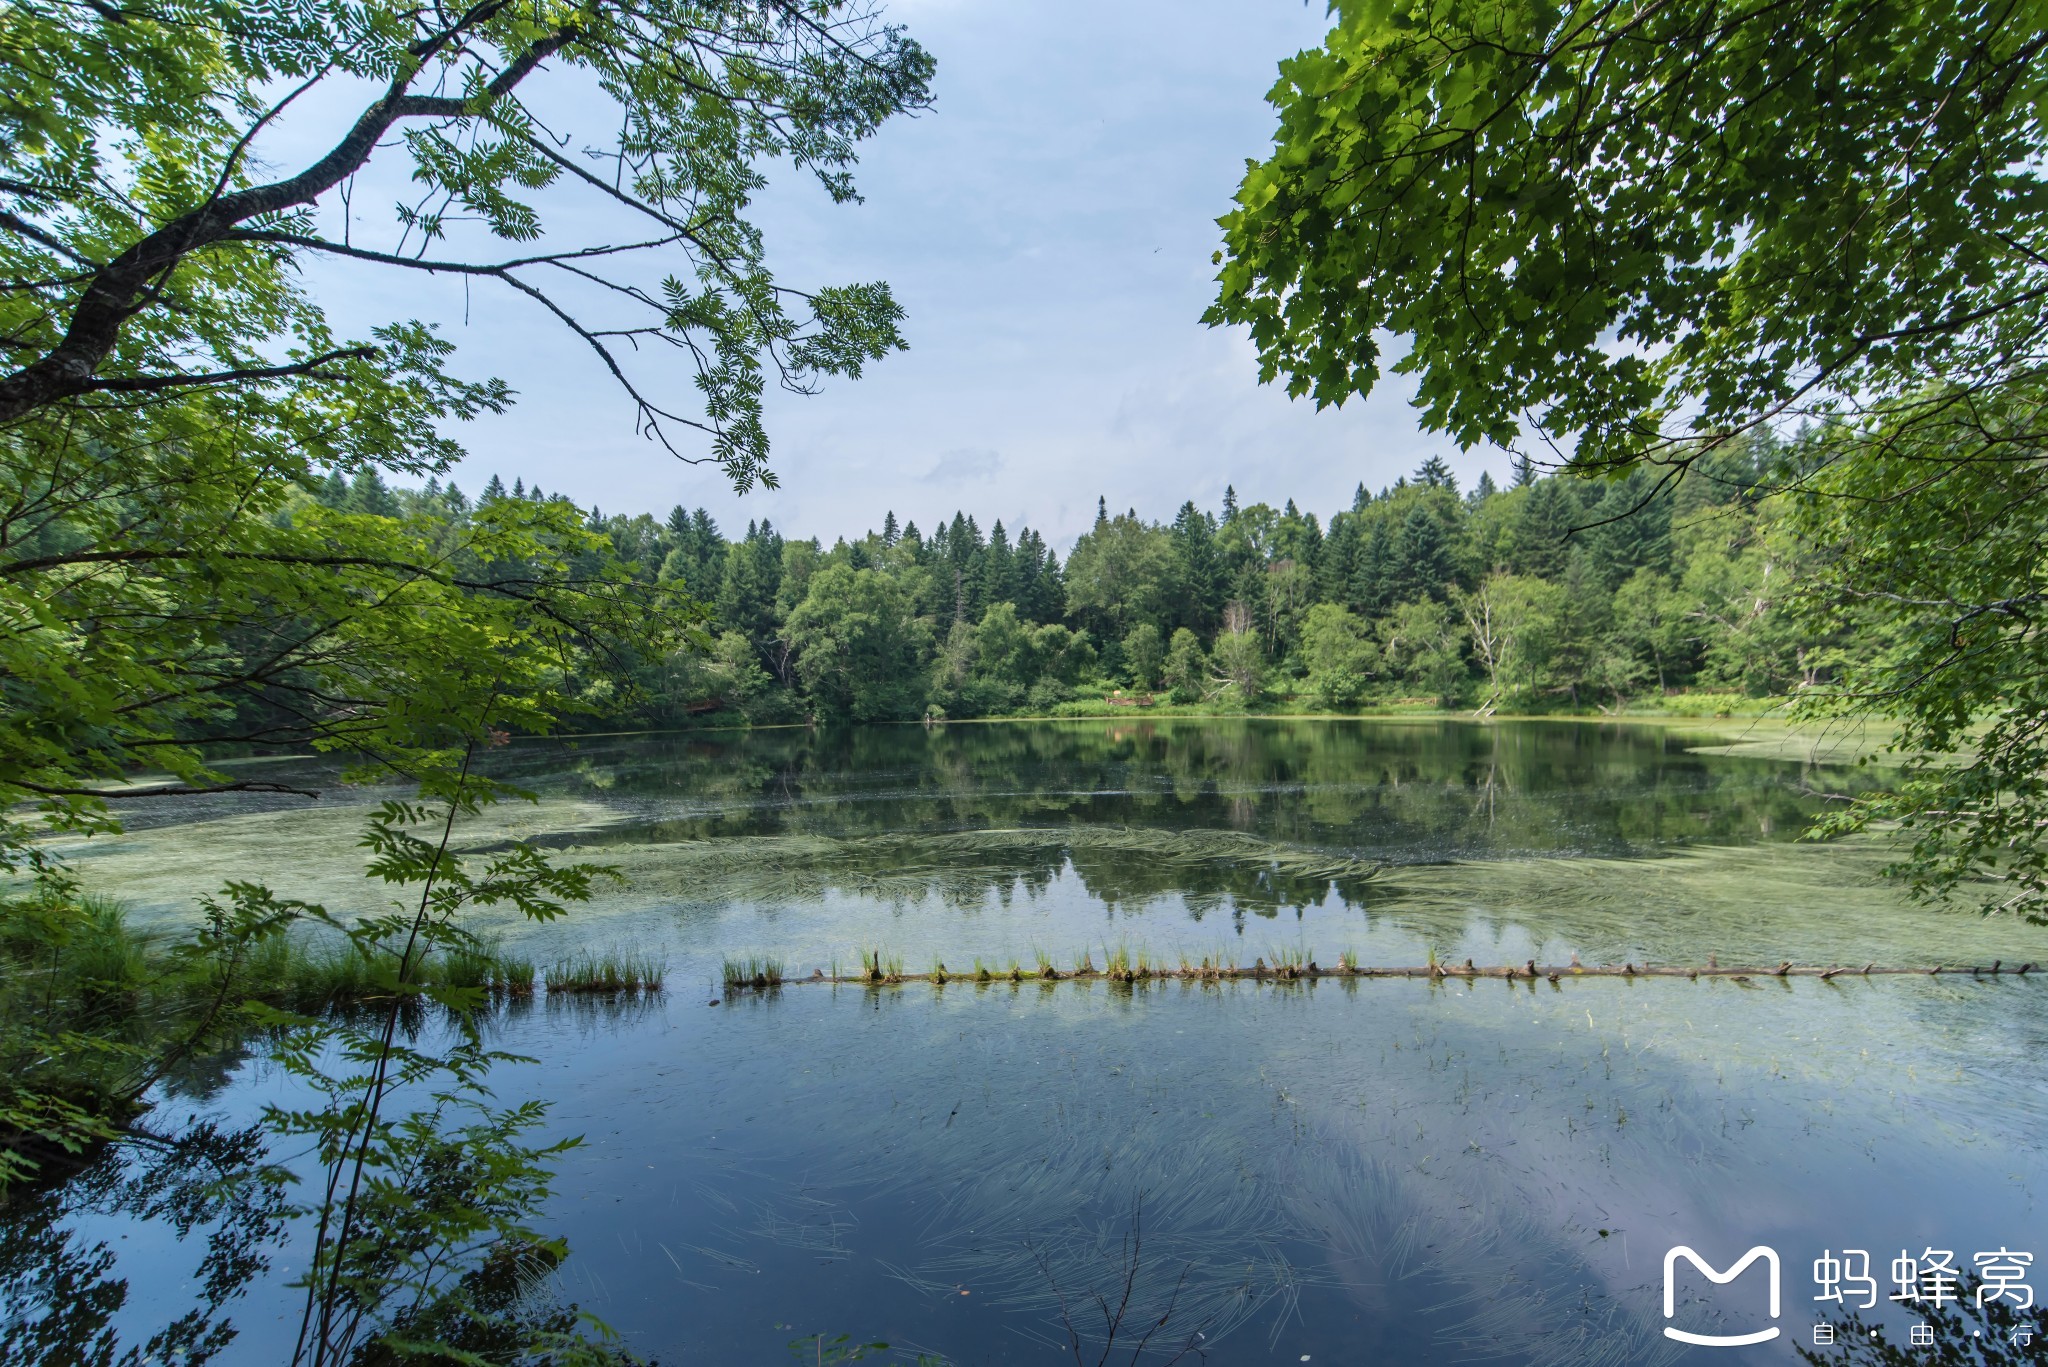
(1636, 225)
(149, 249)
(1639, 232)
(197, 547)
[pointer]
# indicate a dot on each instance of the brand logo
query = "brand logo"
(1770, 1258)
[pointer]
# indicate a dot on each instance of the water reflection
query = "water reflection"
(1406, 790)
(1354, 1171)
(64, 1287)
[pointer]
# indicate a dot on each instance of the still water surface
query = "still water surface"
(1346, 1172)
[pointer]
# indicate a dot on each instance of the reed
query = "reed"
(1125, 965)
(1289, 964)
(879, 968)
(758, 972)
(488, 967)
(1046, 971)
(611, 971)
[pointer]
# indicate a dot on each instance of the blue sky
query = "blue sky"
(1048, 226)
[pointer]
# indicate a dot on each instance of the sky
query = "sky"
(1048, 226)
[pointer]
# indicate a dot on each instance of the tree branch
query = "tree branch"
(127, 284)
(146, 383)
(166, 790)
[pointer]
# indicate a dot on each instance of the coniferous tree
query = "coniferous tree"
(1541, 533)
(1197, 571)
(1436, 474)
(369, 494)
(1426, 567)
(1374, 579)
(998, 577)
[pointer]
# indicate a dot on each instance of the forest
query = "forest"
(1557, 593)
(1801, 454)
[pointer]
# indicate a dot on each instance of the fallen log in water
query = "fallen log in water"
(1527, 971)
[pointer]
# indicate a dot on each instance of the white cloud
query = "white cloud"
(963, 466)
(1047, 226)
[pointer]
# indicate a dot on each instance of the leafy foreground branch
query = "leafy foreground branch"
(418, 1216)
(415, 1192)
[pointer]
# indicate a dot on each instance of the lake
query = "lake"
(1400, 1170)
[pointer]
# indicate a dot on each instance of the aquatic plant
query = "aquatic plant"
(758, 972)
(1291, 963)
(607, 971)
(488, 967)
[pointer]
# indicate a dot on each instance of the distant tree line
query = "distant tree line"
(1558, 592)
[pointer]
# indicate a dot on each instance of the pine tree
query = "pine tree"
(1198, 571)
(889, 533)
(1542, 530)
(368, 494)
(1424, 556)
(999, 568)
(1229, 502)
(1338, 558)
(1627, 530)
(1372, 581)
